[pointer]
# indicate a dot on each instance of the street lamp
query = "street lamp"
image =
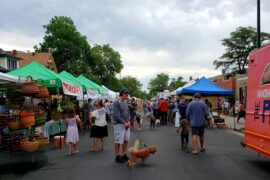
(258, 25)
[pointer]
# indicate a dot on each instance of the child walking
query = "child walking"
(72, 136)
(149, 116)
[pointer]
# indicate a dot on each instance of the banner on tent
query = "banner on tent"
(71, 89)
(105, 93)
(92, 93)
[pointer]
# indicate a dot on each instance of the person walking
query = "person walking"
(72, 135)
(163, 106)
(140, 113)
(196, 113)
(132, 106)
(121, 126)
(155, 109)
(241, 111)
(182, 107)
(99, 126)
(149, 116)
(210, 117)
(107, 107)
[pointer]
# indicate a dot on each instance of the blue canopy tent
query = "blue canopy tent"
(205, 88)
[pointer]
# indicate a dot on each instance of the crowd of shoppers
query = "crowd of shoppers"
(188, 115)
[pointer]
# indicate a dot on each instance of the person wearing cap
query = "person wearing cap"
(121, 126)
(196, 113)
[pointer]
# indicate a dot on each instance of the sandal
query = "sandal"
(93, 150)
(194, 152)
(202, 150)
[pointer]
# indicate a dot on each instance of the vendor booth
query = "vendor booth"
(205, 88)
(54, 82)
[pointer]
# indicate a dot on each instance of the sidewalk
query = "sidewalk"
(231, 122)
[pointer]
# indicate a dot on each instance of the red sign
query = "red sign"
(71, 89)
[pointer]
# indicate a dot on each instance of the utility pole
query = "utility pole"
(258, 25)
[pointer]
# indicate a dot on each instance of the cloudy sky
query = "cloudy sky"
(177, 37)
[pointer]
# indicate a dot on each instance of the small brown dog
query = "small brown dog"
(143, 154)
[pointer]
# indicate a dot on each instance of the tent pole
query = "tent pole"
(218, 106)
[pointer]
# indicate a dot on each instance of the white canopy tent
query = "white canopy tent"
(111, 95)
(186, 85)
(9, 81)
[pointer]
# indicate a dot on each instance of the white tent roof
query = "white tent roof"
(111, 95)
(186, 85)
(7, 80)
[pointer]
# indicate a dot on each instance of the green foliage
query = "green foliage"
(73, 54)
(238, 46)
(158, 84)
(70, 49)
(144, 95)
(108, 64)
(67, 106)
(113, 83)
(176, 83)
(133, 85)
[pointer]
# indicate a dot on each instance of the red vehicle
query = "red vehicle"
(257, 125)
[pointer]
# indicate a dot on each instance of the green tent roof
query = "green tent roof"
(38, 71)
(90, 83)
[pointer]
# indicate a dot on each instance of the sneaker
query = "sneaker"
(119, 159)
(125, 158)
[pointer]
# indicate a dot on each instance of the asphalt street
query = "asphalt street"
(224, 158)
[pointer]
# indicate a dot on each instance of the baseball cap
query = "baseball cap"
(124, 90)
(197, 95)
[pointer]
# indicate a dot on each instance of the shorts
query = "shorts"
(138, 118)
(99, 131)
(197, 130)
(121, 134)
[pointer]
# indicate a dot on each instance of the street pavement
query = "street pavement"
(224, 158)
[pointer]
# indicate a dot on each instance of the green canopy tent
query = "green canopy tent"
(90, 83)
(74, 79)
(51, 79)
(94, 90)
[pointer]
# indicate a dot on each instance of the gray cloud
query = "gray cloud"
(152, 34)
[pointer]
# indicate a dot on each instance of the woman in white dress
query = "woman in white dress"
(72, 136)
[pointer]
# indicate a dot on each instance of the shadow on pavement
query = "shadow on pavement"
(262, 164)
(22, 166)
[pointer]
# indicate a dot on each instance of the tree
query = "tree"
(108, 64)
(238, 46)
(72, 53)
(133, 85)
(70, 49)
(176, 83)
(158, 84)
(113, 83)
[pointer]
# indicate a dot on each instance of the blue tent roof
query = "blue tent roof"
(206, 88)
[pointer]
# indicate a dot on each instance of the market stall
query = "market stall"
(19, 119)
(93, 90)
(207, 89)
(56, 84)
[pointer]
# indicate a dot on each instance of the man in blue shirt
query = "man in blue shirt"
(197, 113)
